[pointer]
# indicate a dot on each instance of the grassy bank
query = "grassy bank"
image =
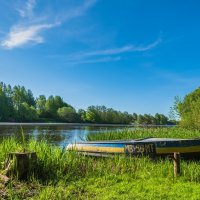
(127, 134)
(66, 175)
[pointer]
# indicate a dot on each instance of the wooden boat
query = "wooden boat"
(147, 146)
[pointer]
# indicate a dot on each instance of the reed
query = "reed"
(128, 134)
(66, 175)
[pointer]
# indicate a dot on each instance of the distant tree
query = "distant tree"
(19, 104)
(67, 114)
(134, 118)
(189, 110)
(52, 105)
(174, 113)
(82, 115)
(30, 100)
(147, 119)
(140, 119)
(5, 106)
(92, 115)
(27, 113)
(161, 119)
(40, 106)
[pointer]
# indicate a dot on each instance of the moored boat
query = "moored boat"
(147, 146)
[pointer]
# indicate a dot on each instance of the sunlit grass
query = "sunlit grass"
(128, 134)
(60, 174)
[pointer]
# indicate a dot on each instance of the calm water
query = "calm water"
(60, 135)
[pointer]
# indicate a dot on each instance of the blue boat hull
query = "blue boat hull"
(149, 146)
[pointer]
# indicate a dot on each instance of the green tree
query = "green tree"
(67, 114)
(134, 118)
(92, 115)
(40, 106)
(28, 113)
(4, 106)
(52, 105)
(82, 115)
(189, 109)
(51, 108)
(174, 113)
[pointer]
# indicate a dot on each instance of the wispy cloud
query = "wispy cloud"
(116, 51)
(27, 10)
(93, 60)
(78, 11)
(20, 36)
(28, 30)
(96, 55)
(124, 49)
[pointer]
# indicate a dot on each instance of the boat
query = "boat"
(138, 147)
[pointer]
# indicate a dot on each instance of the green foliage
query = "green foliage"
(40, 105)
(67, 114)
(189, 110)
(158, 119)
(174, 113)
(18, 104)
(82, 115)
(101, 114)
(6, 104)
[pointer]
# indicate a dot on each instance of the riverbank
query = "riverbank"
(161, 132)
(62, 124)
(66, 175)
(77, 124)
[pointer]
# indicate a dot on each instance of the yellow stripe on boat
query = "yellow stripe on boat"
(177, 149)
(99, 149)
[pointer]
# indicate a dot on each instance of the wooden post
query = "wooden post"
(177, 169)
(20, 164)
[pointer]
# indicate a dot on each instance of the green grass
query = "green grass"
(127, 134)
(66, 175)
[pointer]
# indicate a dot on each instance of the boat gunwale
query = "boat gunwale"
(143, 140)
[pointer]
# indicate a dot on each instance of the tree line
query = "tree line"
(17, 104)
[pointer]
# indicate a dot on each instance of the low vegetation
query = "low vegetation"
(66, 175)
(128, 134)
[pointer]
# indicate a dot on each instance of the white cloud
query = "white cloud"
(19, 36)
(27, 10)
(29, 29)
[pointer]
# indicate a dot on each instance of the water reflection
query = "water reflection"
(57, 135)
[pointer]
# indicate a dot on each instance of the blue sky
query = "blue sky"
(132, 55)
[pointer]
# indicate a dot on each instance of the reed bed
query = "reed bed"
(128, 134)
(66, 175)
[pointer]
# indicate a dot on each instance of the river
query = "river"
(58, 134)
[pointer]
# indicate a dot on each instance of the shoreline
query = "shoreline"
(61, 124)
(76, 124)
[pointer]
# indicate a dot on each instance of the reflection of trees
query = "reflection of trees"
(15, 131)
(50, 136)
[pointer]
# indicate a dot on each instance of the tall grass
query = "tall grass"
(128, 134)
(58, 164)
(60, 174)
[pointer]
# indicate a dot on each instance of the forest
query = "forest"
(17, 104)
